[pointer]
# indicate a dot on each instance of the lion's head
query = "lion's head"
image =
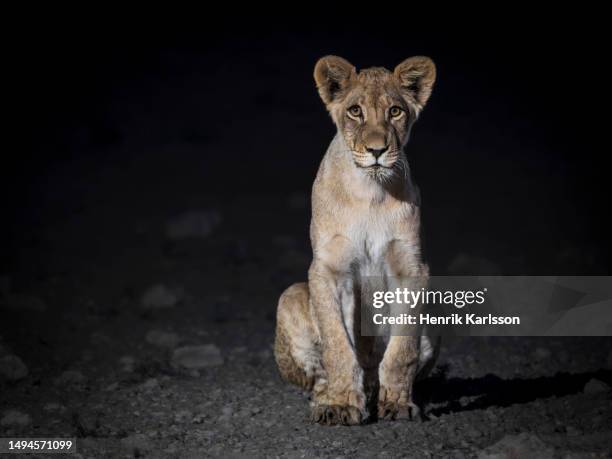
(374, 109)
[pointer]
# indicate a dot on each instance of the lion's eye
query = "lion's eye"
(355, 110)
(395, 111)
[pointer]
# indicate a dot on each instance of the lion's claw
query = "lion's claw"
(331, 415)
(392, 411)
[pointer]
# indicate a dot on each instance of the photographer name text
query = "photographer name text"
(453, 319)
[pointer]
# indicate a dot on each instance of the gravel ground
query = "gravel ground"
(142, 342)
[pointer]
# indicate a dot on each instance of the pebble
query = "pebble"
(162, 339)
(198, 419)
(595, 386)
(12, 368)
(15, 418)
(160, 296)
(196, 357)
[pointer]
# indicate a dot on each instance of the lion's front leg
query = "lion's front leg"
(398, 368)
(397, 373)
(338, 397)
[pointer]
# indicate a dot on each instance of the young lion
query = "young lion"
(365, 222)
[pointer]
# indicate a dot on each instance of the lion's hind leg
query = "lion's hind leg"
(296, 346)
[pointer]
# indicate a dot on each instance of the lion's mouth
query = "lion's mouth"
(374, 167)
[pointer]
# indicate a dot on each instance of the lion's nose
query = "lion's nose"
(376, 152)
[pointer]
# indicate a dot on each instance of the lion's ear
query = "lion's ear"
(416, 76)
(333, 76)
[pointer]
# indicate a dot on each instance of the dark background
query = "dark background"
(505, 153)
(118, 125)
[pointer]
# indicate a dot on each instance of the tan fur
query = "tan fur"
(365, 222)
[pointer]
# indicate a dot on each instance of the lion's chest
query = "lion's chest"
(372, 238)
(370, 246)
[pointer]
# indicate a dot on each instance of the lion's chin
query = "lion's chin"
(379, 172)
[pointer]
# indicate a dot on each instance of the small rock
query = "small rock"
(23, 301)
(12, 368)
(514, 446)
(198, 419)
(14, 418)
(159, 296)
(595, 386)
(162, 339)
(196, 357)
(198, 223)
(70, 378)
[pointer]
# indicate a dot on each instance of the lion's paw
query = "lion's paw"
(331, 415)
(393, 406)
